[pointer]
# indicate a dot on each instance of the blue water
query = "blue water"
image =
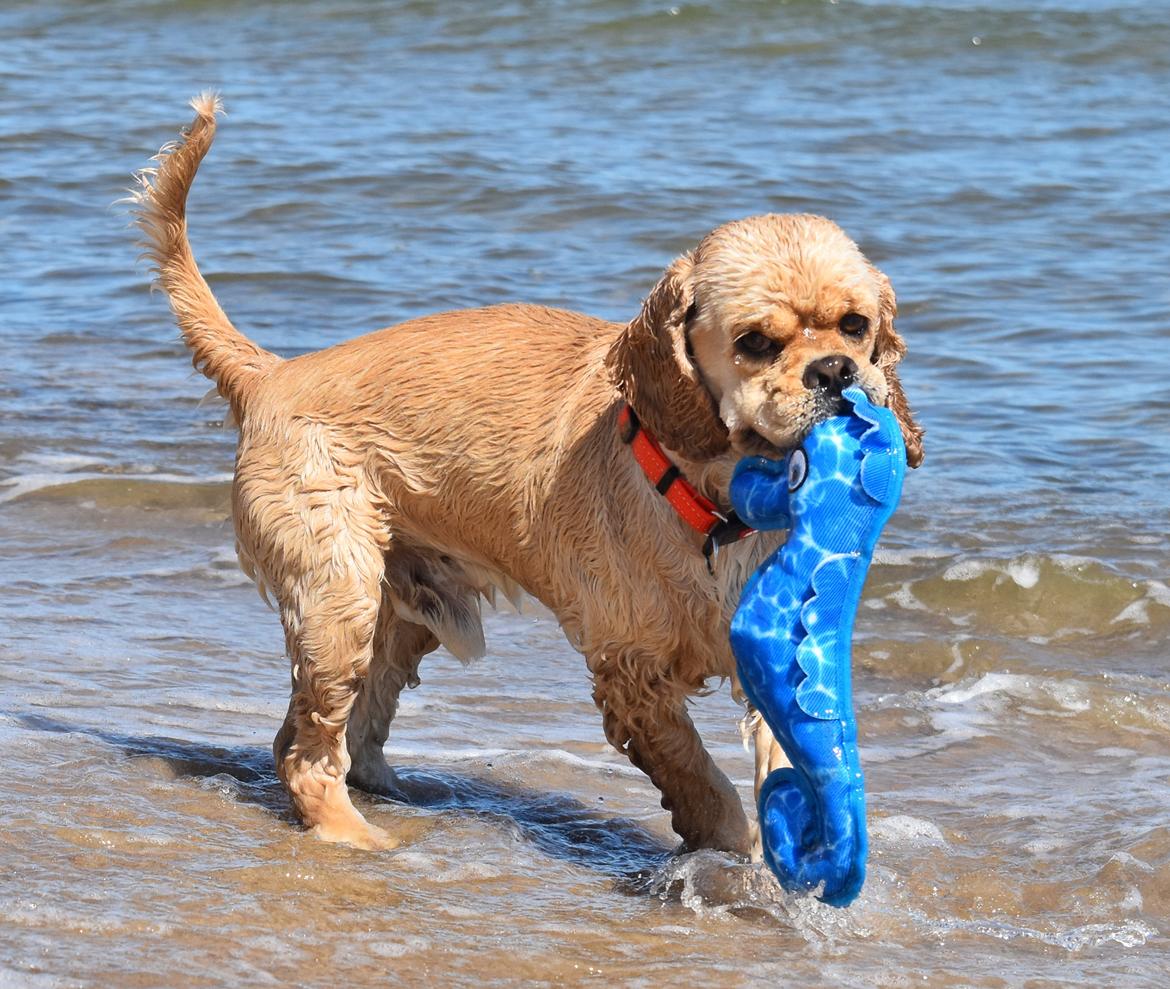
(1005, 163)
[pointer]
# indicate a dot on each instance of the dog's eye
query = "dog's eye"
(755, 344)
(797, 469)
(853, 324)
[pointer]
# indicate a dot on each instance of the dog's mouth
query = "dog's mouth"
(829, 405)
(751, 440)
(751, 443)
(826, 405)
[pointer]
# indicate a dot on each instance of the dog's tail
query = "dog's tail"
(218, 349)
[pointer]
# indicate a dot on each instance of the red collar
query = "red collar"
(700, 513)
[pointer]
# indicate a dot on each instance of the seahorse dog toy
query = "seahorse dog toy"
(792, 631)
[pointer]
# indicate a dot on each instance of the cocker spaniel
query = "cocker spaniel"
(384, 486)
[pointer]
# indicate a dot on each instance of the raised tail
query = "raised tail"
(218, 349)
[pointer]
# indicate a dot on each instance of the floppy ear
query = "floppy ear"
(650, 366)
(888, 350)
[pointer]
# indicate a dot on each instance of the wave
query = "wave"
(1129, 712)
(1040, 599)
(173, 492)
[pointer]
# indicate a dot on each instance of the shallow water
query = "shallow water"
(1003, 162)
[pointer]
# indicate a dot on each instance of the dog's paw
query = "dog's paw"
(359, 835)
(757, 850)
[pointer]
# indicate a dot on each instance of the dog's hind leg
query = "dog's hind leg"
(427, 600)
(399, 647)
(322, 552)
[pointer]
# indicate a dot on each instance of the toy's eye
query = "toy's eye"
(797, 469)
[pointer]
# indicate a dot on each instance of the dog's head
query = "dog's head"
(747, 342)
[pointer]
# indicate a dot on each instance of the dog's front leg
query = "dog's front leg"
(645, 717)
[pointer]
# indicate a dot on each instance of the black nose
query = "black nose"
(832, 374)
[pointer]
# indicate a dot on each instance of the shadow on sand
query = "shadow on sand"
(559, 825)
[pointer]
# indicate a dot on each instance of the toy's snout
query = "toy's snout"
(759, 492)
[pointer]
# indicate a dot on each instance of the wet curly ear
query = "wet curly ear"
(650, 366)
(888, 350)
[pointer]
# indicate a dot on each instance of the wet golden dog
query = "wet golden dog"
(385, 485)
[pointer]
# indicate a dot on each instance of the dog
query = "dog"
(385, 486)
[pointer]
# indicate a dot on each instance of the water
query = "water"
(1004, 163)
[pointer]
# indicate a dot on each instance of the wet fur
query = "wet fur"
(384, 487)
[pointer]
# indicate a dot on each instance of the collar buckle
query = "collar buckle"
(701, 514)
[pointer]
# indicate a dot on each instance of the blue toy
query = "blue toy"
(792, 631)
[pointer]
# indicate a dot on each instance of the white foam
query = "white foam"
(1125, 858)
(1068, 695)
(957, 662)
(972, 708)
(62, 461)
(1024, 572)
(572, 759)
(398, 948)
(1138, 612)
(965, 570)
(901, 829)
(432, 753)
(1040, 847)
(716, 886)
(1114, 752)
(1068, 561)
(1130, 934)
(988, 683)
(33, 980)
(904, 598)
(507, 758)
(436, 871)
(418, 861)
(1158, 592)
(201, 702)
(36, 913)
(906, 557)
